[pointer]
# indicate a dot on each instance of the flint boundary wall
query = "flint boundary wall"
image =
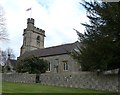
(19, 77)
(78, 80)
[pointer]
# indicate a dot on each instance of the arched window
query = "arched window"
(38, 40)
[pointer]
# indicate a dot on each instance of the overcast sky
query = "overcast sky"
(56, 17)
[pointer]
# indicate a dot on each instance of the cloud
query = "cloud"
(56, 17)
(45, 3)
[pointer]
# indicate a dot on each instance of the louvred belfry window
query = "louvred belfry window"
(38, 40)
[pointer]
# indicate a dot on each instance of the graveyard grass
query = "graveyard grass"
(9, 87)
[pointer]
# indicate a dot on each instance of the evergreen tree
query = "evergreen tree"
(32, 65)
(100, 48)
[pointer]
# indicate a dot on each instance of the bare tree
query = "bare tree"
(10, 53)
(3, 30)
(4, 55)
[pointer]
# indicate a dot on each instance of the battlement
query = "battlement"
(30, 26)
(30, 21)
(36, 29)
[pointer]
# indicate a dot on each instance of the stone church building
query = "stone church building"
(58, 57)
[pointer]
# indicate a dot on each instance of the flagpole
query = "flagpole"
(31, 13)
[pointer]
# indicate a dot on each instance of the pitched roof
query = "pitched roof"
(11, 62)
(51, 51)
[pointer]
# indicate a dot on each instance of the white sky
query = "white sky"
(56, 17)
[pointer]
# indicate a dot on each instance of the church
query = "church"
(58, 57)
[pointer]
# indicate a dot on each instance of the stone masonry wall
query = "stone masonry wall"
(72, 64)
(82, 80)
(23, 78)
(77, 80)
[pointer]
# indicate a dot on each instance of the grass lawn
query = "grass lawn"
(8, 87)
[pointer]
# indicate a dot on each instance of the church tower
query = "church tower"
(33, 38)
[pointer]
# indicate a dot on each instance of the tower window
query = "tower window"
(38, 40)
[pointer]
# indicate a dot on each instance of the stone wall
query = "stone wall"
(23, 78)
(77, 80)
(82, 80)
(58, 60)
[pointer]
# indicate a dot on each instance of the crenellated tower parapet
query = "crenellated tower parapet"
(30, 24)
(38, 30)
